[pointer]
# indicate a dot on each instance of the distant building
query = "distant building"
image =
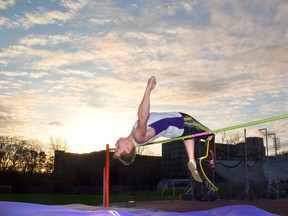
(70, 164)
(75, 173)
(84, 172)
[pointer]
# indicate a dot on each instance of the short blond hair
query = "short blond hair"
(126, 158)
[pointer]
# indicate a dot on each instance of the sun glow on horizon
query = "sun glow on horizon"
(91, 133)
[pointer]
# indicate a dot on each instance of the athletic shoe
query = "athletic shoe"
(194, 172)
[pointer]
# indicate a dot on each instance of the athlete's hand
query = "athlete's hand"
(151, 84)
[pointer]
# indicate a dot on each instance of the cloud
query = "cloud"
(281, 16)
(4, 4)
(41, 16)
(6, 22)
(74, 5)
(41, 59)
(81, 73)
(9, 119)
(187, 6)
(55, 123)
(23, 74)
(13, 51)
(44, 40)
(17, 114)
(139, 52)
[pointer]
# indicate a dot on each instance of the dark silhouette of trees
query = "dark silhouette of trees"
(25, 156)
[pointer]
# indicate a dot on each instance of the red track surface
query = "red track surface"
(278, 206)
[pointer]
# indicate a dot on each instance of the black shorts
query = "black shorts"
(192, 126)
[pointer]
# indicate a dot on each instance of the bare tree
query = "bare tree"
(58, 143)
(9, 147)
(232, 138)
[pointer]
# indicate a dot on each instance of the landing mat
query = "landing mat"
(29, 209)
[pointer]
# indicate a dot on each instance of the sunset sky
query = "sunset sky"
(77, 69)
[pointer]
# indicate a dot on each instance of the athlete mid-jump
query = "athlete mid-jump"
(151, 125)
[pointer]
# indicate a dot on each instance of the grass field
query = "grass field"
(87, 199)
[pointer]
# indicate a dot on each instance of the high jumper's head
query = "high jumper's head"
(125, 151)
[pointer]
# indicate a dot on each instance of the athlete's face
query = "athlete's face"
(121, 145)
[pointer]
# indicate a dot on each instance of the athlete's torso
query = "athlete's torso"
(166, 124)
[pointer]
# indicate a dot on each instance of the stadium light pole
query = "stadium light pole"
(247, 187)
(273, 136)
(266, 140)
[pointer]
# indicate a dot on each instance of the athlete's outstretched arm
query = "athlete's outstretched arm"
(141, 133)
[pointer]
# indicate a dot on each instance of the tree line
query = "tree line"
(18, 154)
(25, 166)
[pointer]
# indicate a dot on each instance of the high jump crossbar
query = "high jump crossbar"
(275, 118)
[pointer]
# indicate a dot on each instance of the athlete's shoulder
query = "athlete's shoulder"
(168, 114)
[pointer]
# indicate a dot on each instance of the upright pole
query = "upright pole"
(247, 188)
(107, 167)
(266, 140)
(273, 136)
(104, 187)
